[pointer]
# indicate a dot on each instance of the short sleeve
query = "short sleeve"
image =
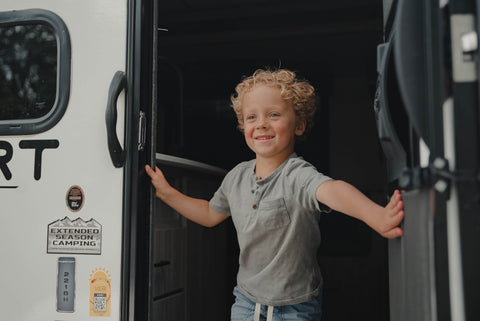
(219, 202)
(305, 181)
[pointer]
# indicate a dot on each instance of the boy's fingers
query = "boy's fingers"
(148, 169)
(398, 195)
(398, 206)
(398, 218)
(393, 233)
(393, 201)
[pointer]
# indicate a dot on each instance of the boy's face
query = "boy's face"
(269, 123)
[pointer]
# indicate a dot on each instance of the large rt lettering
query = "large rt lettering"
(5, 159)
(38, 145)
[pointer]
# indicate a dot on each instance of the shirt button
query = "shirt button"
(254, 206)
(253, 191)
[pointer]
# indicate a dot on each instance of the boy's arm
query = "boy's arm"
(345, 198)
(194, 209)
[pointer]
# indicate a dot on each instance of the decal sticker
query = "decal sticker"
(100, 293)
(74, 237)
(66, 284)
(75, 198)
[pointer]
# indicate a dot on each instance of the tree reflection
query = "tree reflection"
(28, 71)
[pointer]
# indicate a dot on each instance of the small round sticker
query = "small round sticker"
(75, 198)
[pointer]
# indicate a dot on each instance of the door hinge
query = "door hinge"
(142, 128)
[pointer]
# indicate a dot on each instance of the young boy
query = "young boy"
(275, 201)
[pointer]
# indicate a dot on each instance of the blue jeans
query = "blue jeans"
(243, 310)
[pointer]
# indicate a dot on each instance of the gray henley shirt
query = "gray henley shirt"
(277, 223)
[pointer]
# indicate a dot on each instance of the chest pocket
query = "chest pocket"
(272, 214)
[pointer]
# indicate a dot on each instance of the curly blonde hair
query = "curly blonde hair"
(293, 90)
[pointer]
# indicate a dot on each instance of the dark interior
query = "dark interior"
(209, 46)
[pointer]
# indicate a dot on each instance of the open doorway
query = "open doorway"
(208, 47)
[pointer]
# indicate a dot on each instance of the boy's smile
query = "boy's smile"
(264, 137)
(269, 124)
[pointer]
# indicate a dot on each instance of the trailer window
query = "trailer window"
(34, 71)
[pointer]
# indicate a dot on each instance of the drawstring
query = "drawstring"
(257, 312)
(270, 313)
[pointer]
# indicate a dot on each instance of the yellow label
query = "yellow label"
(100, 293)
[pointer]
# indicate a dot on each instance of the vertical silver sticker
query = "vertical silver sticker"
(66, 284)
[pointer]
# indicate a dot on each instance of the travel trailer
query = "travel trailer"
(91, 91)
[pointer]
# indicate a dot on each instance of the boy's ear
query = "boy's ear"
(300, 127)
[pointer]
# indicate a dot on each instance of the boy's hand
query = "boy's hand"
(194, 209)
(345, 198)
(392, 217)
(158, 180)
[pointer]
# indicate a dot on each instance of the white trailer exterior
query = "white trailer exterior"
(46, 164)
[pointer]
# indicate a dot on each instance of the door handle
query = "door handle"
(117, 154)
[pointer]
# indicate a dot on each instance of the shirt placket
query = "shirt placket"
(256, 192)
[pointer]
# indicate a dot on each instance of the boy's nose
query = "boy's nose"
(262, 123)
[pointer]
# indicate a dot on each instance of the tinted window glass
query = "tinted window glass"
(28, 71)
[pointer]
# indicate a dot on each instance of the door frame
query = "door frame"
(138, 205)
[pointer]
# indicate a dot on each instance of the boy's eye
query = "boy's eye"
(250, 117)
(274, 114)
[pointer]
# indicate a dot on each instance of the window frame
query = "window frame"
(44, 123)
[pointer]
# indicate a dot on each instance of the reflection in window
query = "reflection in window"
(28, 71)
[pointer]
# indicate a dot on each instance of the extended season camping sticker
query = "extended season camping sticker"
(74, 237)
